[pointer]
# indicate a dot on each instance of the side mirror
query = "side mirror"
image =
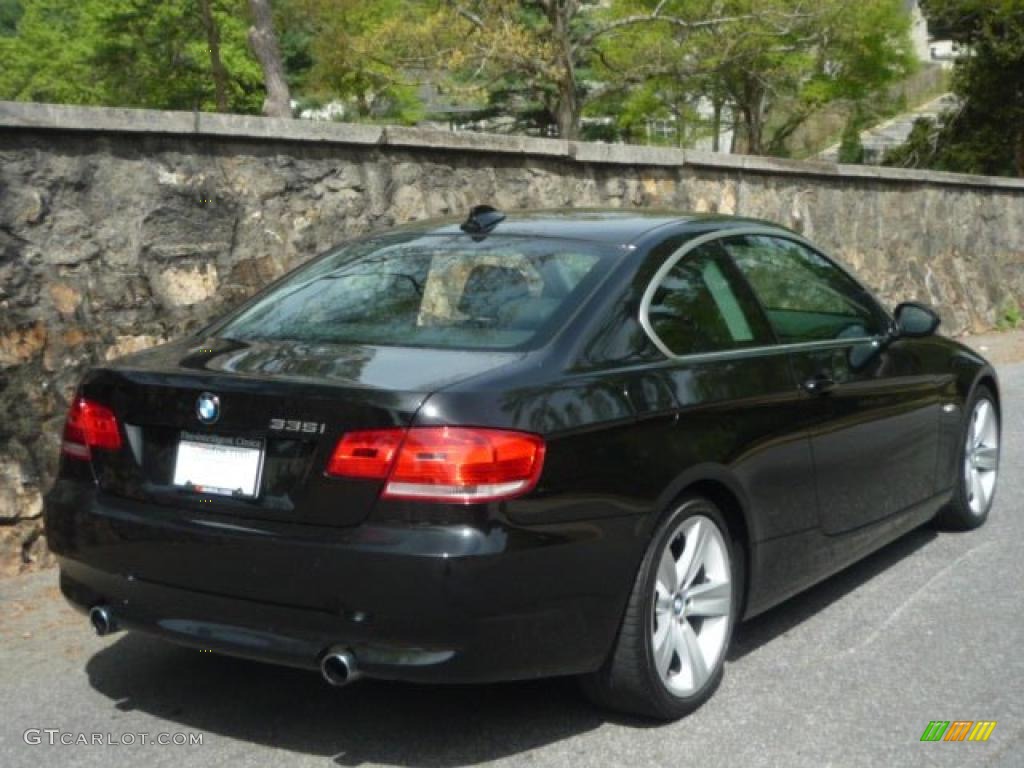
(915, 320)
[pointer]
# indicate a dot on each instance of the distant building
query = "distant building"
(928, 48)
(332, 110)
(919, 30)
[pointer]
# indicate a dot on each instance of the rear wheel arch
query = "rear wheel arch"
(961, 513)
(624, 682)
(735, 515)
(988, 380)
(717, 484)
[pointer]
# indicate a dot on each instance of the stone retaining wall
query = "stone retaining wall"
(122, 228)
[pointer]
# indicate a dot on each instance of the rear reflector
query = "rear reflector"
(457, 465)
(90, 425)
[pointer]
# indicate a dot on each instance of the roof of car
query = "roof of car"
(614, 226)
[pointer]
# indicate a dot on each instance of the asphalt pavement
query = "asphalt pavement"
(849, 673)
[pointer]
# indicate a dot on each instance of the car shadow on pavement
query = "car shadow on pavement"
(395, 723)
(762, 629)
(368, 722)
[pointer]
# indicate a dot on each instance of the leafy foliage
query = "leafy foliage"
(1010, 315)
(592, 68)
(143, 53)
(851, 150)
(343, 43)
(776, 78)
(985, 134)
(10, 13)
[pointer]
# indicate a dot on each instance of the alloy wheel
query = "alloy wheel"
(981, 457)
(692, 605)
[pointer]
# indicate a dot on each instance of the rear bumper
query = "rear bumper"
(422, 603)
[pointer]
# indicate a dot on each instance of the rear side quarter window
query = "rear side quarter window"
(701, 305)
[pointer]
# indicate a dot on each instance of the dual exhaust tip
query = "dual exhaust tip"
(102, 620)
(338, 666)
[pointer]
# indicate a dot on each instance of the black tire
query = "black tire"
(958, 514)
(629, 681)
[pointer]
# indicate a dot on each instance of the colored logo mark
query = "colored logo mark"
(958, 730)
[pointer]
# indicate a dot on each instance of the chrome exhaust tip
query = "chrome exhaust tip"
(338, 667)
(102, 620)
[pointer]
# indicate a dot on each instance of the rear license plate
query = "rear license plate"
(226, 466)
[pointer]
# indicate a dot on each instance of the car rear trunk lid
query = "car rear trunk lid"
(288, 402)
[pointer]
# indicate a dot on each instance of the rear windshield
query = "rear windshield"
(433, 291)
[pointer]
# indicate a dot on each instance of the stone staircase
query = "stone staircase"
(893, 132)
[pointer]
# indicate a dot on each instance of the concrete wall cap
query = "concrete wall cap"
(21, 116)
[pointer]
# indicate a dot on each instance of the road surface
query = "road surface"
(847, 674)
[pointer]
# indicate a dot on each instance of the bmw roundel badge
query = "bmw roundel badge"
(208, 408)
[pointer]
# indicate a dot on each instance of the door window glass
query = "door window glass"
(806, 297)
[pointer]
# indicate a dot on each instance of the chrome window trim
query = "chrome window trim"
(729, 354)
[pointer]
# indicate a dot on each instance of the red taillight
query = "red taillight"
(366, 455)
(90, 425)
(457, 465)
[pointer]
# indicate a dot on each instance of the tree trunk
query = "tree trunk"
(220, 74)
(1020, 152)
(560, 14)
(716, 126)
(568, 112)
(263, 41)
(755, 134)
(753, 119)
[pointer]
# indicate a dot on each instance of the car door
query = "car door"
(872, 407)
(737, 409)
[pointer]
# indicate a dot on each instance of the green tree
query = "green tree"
(161, 54)
(547, 51)
(295, 33)
(142, 53)
(771, 63)
(985, 133)
(48, 58)
(667, 83)
(775, 80)
(347, 50)
(10, 13)
(851, 150)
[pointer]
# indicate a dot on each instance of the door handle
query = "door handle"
(821, 384)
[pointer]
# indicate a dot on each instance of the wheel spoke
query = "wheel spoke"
(692, 657)
(693, 554)
(665, 643)
(980, 494)
(710, 599)
(985, 433)
(974, 489)
(977, 424)
(668, 577)
(662, 603)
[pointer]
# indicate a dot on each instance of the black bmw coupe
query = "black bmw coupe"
(570, 443)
